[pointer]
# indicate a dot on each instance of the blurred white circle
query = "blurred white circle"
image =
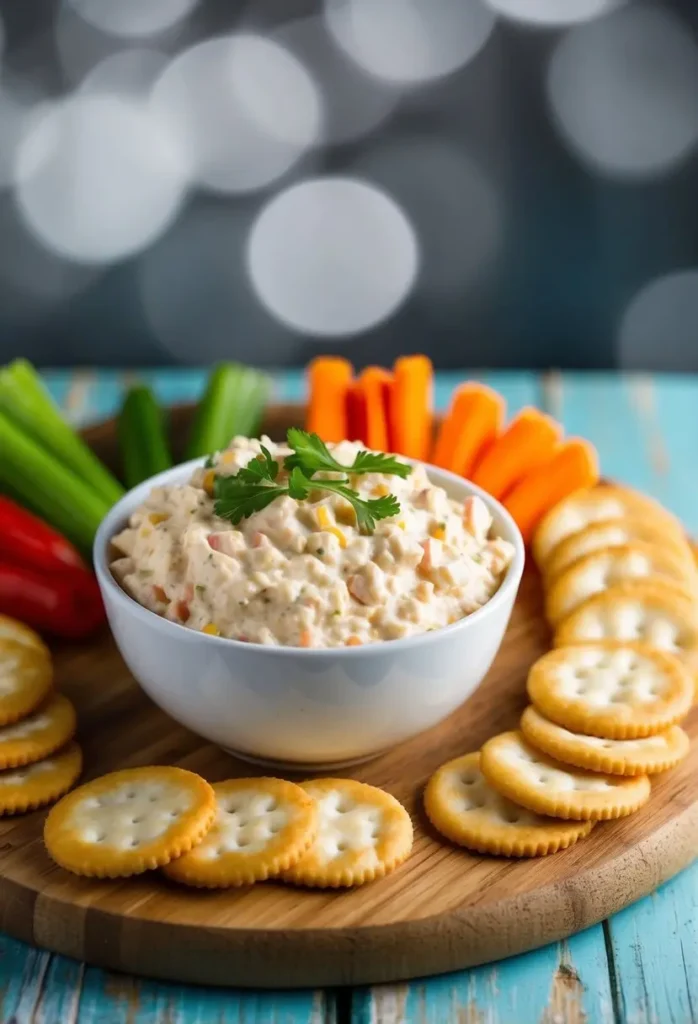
(133, 17)
(197, 296)
(624, 92)
(552, 12)
(243, 109)
(659, 330)
(354, 102)
(452, 204)
(127, 73)
(96, 179)
(332, 256)
(410, 41)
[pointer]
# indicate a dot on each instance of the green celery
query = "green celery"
(47, 487)
(25, 401)
(233, 403)
(142, 438)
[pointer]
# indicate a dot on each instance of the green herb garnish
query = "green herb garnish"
(312, 456)
(256, 485)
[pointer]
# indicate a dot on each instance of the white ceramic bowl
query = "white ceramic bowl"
(305, 708)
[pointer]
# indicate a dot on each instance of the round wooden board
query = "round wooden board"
(443, 910)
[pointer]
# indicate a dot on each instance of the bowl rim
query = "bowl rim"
(120, 512)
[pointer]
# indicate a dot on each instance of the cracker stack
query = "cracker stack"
(38, 761)
(621, 595)
(616, 565)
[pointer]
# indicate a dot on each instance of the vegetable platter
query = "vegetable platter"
(445, 908)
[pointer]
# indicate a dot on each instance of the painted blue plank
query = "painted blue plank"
(37, 988)
(655, 954)
(98, 395)
(518, 389)
(673, 428)
(119, 999)
(22, 971)
(643, 428)
(598, 407)
(561, 982)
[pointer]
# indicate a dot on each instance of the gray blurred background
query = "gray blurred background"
(502, 183)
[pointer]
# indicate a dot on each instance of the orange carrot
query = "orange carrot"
(375, 387)
(573, 466)
(528, 442)
(329, 378)
(411, 406)
(474, 419)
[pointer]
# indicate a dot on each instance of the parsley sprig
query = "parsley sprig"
(256, 485)
(312, 455)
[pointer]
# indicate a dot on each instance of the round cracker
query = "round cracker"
(363, 833)
(130, 821)
(532, 779)
(464, 808)
(593, 573)
(34, 785)
(262, 827)
(610, 533)
(638, 610)
(26, 675)
(645, 756)
(615, 690)
(35, 737)
(605, 501)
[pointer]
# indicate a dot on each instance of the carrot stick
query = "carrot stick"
(329, 378)
(474, 419)
(573, 466)
(528, 442)
(375, 386)
(411, 406)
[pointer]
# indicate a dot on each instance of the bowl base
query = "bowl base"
(303, 767)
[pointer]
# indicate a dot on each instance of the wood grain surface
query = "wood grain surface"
(443, 910)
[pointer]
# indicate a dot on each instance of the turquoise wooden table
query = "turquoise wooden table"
(640, 967)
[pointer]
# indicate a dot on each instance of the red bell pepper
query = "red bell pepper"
(65, 604)
(27, 540)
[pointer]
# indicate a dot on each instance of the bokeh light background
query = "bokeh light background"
(498, 182)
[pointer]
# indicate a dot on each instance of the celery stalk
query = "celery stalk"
(47, 487)
(142, 440)
(232, 404)
(248, 410)
(25, 401)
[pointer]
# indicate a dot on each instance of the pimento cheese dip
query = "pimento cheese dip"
(300, 573)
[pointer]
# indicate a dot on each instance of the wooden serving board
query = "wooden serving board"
(443, 910)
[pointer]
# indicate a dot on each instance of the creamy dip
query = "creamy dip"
(300, 573)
